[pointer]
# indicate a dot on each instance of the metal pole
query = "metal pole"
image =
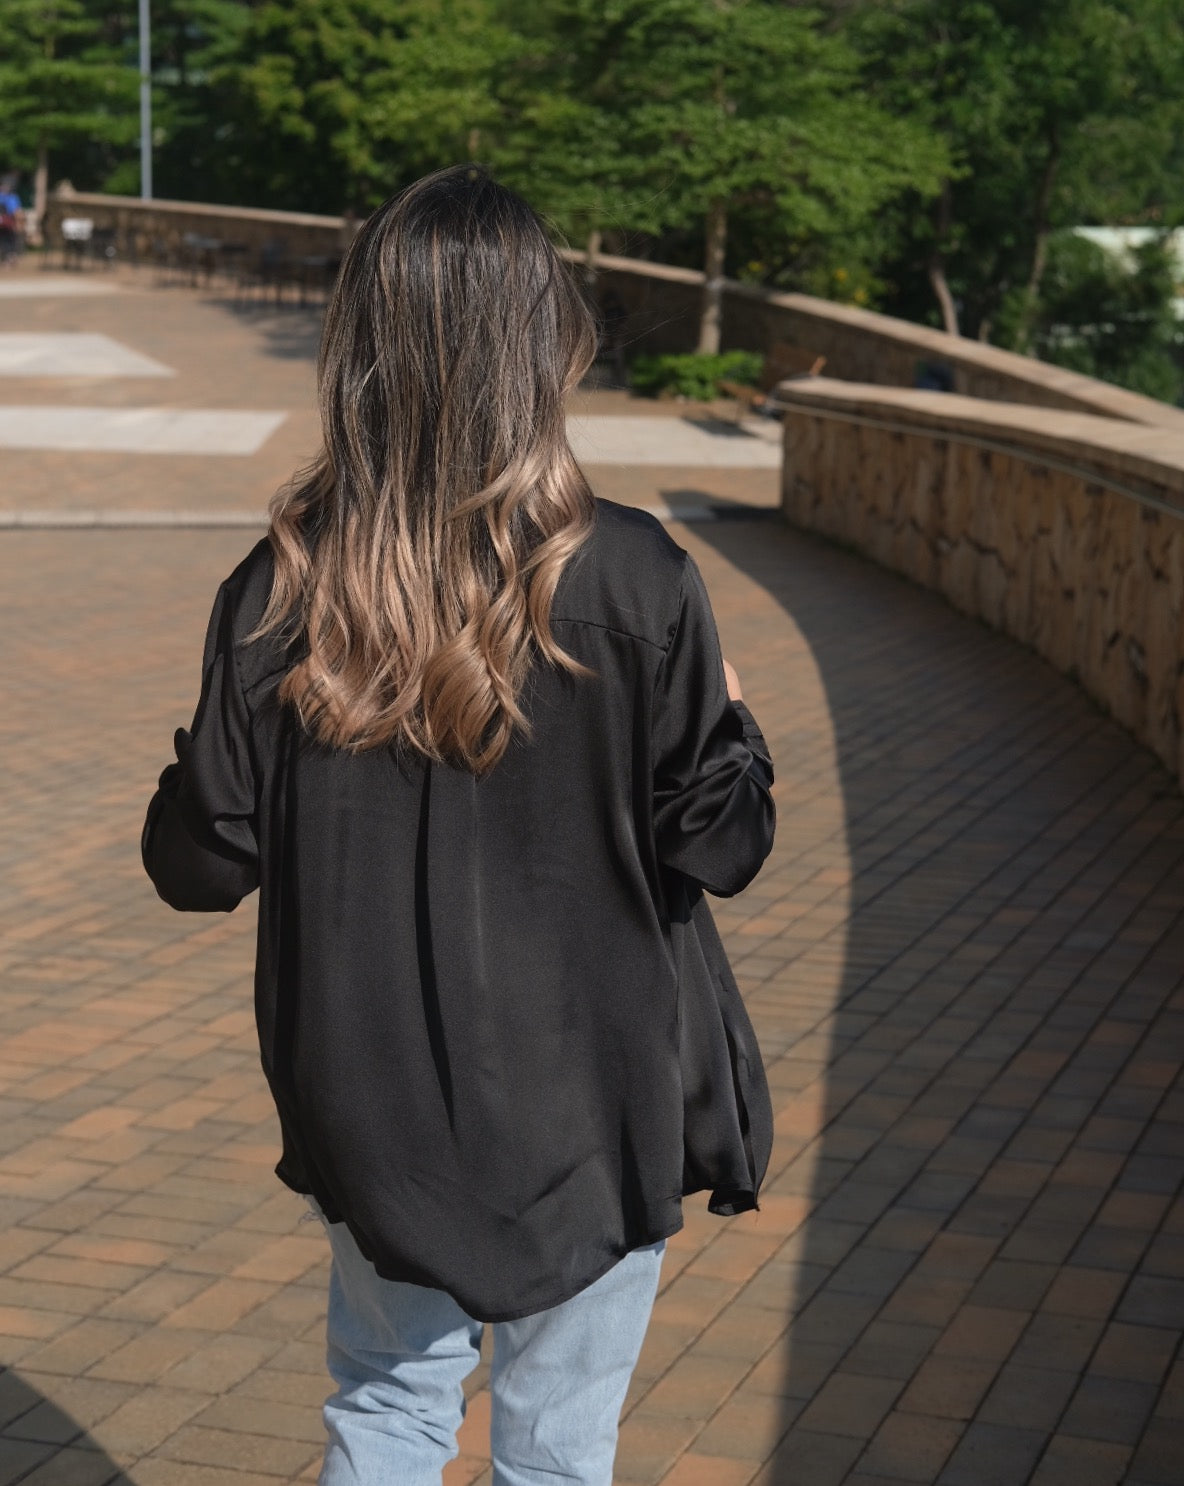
(145, 102)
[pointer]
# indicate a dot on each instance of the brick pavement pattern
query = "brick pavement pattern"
(963, 961)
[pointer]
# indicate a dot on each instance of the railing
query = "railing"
(1066, 531)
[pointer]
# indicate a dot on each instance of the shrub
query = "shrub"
(694, 375)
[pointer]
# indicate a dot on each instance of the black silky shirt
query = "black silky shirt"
(499, 1028)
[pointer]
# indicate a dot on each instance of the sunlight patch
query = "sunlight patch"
(72, 354)
(136, 430)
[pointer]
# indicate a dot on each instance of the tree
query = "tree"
(1031, 101)
(684, 111)
(299, 95)
(339, 102)
(945, 65)
(1087, 66)
(569, 142)
(197, 142)
(441, 95)
(1112, 315)
(61, 83)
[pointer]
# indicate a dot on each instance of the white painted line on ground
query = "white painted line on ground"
(72, 354)
(136, 430)
(119, 520)
(56, 285)
(676, 441)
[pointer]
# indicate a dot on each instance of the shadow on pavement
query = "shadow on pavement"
(35, 1431)
(288, 331)
(984, 1290)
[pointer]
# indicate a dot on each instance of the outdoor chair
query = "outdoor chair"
(272, 269)
(75, 234)
(316, 273)
(104, 246)
(230, 261)
(165, 258)
(199, 256)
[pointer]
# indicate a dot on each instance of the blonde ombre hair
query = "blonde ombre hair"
(418, 556)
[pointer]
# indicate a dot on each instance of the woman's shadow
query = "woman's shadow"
(43, 1445)
(974, 868)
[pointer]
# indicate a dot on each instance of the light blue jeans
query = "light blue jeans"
(400, 1353)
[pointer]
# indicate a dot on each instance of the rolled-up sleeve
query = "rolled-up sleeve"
(714, 815)
(198, 844)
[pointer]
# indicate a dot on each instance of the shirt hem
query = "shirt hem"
(492, 1317)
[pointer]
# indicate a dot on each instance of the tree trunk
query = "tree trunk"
(717, 242)
(40, 192)
(591, 254)
(949, 310)
(937, 264)
(474, 142)
(1040, 245)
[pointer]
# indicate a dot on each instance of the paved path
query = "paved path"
(963, 960)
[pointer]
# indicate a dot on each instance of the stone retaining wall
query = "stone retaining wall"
(662, 306)
(659, 306)
(1064, 531)
(141, 223)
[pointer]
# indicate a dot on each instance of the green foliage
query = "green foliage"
(681, 113)
(876, 152)
(755, 102)
(1109, 316)
(695, 376)
(62, 81)
(1053, 114)
(305, 90)
(201, 146)
(675, 105)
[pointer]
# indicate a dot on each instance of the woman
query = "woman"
(468, 729)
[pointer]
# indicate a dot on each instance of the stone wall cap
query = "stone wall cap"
(1108, 400)
(1111, 447)
(103, 202)
(608, 263)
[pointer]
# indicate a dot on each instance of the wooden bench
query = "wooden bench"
(781, 363)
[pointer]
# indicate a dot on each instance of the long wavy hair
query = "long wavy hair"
(418, 556)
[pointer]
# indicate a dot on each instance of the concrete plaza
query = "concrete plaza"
(964, 961)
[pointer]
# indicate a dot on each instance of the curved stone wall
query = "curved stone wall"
(657, 307)
(859, 345)
(139, 224)
(862, 346)
(1064, 530)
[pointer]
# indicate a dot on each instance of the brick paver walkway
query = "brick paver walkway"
(964, 961)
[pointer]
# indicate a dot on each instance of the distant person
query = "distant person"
(933, 376)
(469, 730)
(12, 221)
